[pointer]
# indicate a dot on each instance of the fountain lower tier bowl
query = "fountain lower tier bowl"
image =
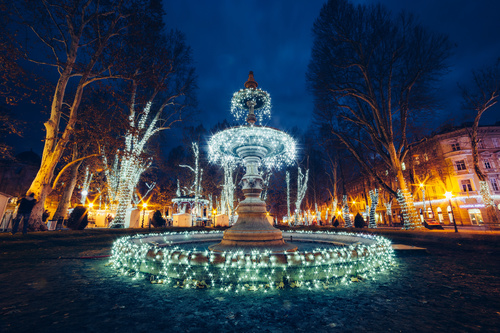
(183, 259)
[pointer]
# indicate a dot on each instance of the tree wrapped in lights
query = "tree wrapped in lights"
(388, 208)
(157, 97)
(228, 188)
(374, 202)
(288, 196)
(301, 190)
(112, 178)
(86, 185)
(410, 218)
(345, 212)
(195, 188)
(265, 185)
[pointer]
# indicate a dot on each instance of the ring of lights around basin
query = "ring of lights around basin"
(340, 258)
(279, 146)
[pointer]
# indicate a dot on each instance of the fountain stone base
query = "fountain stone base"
(252, 231)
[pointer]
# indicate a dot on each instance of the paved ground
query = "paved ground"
(47, 285)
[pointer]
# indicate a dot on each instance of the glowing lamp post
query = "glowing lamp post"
(448, 196)
(422, 188)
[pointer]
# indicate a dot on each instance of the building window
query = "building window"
(403, 166)
(494, 184)
(487, 164)
(466, 185)
(496, 142)
(426, 157)
(460, 165)
(455, 146)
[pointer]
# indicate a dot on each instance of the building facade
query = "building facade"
(440, 164)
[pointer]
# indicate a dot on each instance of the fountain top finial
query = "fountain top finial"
(251, 83)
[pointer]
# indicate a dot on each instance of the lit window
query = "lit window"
(494, 184)
(466, 185)
(460, 165)
(426, 157)
(455, 146)
(403, 166)
(487, 164)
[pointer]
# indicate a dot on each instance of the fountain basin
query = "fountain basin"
(337, 257)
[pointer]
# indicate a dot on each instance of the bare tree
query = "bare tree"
(370, 74)
(160, 94)
(81, 39)
(481, 96)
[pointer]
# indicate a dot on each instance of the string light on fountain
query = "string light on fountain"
(280, 146)
(251, 104)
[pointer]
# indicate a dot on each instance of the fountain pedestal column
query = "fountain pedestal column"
(252, 229)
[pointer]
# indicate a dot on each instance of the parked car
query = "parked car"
(432, 224)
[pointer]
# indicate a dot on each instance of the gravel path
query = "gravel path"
(454, 289)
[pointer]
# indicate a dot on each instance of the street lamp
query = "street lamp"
(423, 199)
(144, 206)
(448, 196)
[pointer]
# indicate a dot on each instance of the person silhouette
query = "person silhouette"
(23, 213)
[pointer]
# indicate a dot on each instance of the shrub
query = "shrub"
(359, 222)
(78, 218)
(158, 221)
(335, 223)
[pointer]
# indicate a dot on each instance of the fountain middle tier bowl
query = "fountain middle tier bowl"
(182, 259)
(272, 145)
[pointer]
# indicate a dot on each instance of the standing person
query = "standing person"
(24, 212)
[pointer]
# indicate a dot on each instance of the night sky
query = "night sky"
(274, 39)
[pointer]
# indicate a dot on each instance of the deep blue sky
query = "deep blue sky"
(274, 39)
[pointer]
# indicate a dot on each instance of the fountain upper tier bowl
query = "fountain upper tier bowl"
(273, 146)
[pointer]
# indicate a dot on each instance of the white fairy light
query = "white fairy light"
(301, 190)
(262, 100)
(373, 207)
(345, 212)
(137, 257)
(280, 147)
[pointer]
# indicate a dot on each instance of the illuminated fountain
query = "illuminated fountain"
(254, 145)
(252, 254)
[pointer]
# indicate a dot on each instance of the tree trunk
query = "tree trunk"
(492, 217)
(373, 207)
(64, 203)
(411, 220)
(41, 187)
(125, 192)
